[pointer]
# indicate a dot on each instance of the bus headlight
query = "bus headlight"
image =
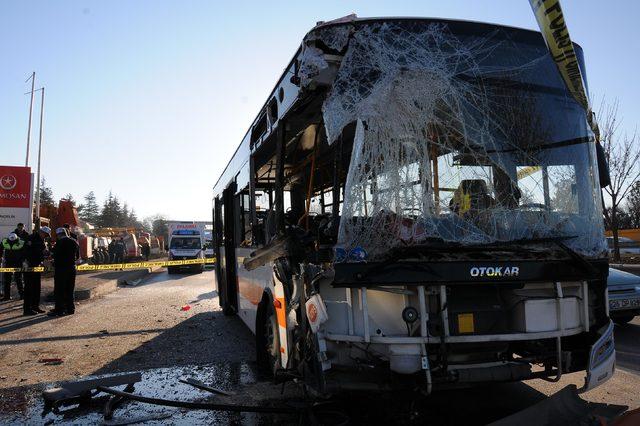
(603, 348)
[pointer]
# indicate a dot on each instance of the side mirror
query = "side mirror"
(603, 166)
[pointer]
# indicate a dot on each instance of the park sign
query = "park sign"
(16, 198)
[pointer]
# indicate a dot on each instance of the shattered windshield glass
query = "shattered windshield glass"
(461, 136)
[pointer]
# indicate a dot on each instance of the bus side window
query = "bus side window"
(263, 206)
(246, 218)
(243, 232)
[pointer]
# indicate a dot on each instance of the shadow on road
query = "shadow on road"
(22, 322)
(80, 336)
(627, 354)
(204, 338)
(204, 296)
(162, 275)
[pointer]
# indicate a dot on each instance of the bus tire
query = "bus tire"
(267, 338)
(170, 270)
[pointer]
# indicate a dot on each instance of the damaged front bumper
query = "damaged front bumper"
(361, 321)
(602, 359)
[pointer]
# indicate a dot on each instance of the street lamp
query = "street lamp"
(37, 225)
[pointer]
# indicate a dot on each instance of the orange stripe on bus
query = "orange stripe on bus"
(280, 312)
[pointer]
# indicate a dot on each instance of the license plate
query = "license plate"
(624, 304)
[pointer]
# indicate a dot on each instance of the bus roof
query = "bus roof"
(458, 26)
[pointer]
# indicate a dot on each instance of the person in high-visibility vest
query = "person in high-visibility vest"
(12, 248)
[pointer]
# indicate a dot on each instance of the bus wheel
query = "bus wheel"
(268, 340)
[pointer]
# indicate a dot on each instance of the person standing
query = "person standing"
(70, 232)
(13, 251)
(65, 254)
(24, 236)
(146, 250)
(120, 249)
(35, 255)
(21, 232)
(111, 248)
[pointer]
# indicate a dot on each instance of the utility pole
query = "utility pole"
(39, 155)
(33, 84)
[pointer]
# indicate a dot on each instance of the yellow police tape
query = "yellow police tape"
(112, 266)
(556, 35)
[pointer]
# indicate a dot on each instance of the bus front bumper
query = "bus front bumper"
(602, 359)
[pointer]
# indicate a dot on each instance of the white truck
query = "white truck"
(186, 241)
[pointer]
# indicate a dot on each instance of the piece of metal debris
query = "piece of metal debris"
(198, 384)
(74, 392)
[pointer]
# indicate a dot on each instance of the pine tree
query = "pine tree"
(124, 215)
(133, 220)
(90, 211)
(110, 212)
(46, 194)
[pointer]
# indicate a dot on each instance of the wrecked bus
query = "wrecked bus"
(417, 204)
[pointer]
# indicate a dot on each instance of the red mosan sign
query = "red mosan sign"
(15, 186)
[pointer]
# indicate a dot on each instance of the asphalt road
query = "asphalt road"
(627, 339)
(170, 326)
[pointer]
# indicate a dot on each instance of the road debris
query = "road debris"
(51, 361)
(80, 391)
(198, 384)
(185, 308)
(132, 283)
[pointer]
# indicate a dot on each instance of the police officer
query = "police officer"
(13, 250)
(65, 254)
(36, 252)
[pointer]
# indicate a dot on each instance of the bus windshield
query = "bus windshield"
(463, 138)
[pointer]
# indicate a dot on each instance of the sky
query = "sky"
(149, 99)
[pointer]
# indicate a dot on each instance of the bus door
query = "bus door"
(218, 242)
(229, 295)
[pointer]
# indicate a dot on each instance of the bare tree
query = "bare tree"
(633, 205)
(622, 153)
